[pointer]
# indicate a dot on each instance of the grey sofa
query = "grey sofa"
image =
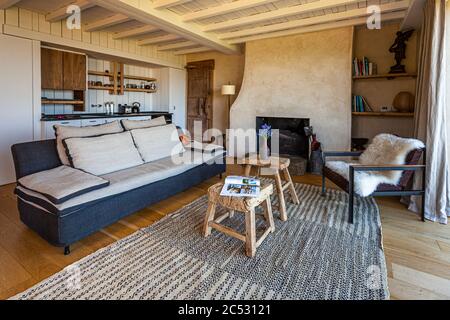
(65, 227)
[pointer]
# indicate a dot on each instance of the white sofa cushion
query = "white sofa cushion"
(65, 132)
(140, 124)
(157, 142)
(62, 183)
(103, 154)
(126, 180)
(385, 149)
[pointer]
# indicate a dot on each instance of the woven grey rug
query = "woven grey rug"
(316, 254)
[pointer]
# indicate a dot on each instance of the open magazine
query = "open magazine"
(236, 186)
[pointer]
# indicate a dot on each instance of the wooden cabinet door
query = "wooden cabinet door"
(52, 69)
(74, 71)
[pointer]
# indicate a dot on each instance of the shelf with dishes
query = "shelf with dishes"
(140, 90)
(129, 77)
(117, 83)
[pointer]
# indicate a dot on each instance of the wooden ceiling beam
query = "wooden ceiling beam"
(191, 50)
(159, 39)
(163, 4)
(277, 14)
(224, 9)
(135, 32)
(350, 14)
(106, 22)
(61, 13)
(170, 22)
(177, 45)
(326, 26)
(5, 4)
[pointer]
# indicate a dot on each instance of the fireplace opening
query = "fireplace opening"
(293, 142)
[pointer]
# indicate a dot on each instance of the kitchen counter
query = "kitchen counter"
(82, 116)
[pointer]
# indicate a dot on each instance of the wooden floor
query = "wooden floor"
(418, 254)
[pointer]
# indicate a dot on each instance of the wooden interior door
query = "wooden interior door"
(200, 96)
(52, 69)
(74, 71)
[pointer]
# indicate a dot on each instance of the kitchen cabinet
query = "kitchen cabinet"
(92, 122)
(61, 70)
(75, 71)
(16, 103)
(52, 69)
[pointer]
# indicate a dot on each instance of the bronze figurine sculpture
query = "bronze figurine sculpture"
(399, 48)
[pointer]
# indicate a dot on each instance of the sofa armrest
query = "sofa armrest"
(34, 157)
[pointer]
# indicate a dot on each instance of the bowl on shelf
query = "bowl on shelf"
(404, 102)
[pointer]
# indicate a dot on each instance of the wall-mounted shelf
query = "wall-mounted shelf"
(118, 78)
(129, 77)
(140, 90)
(71, 102)
(383, 114)
(139, 78)
(388, 76)
(100, 74)
(101, 88)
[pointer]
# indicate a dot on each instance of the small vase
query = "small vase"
(263, 148)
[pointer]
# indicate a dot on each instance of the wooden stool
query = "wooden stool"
(237, 204)
(275, 165)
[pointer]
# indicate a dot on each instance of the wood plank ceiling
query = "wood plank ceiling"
(186, 26)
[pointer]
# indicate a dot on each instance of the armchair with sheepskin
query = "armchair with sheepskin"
(385, 168)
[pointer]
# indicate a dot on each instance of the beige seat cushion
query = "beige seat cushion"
(62, 183)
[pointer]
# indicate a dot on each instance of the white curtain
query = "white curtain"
(432, 117)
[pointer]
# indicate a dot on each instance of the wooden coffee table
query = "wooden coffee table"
(276, 167)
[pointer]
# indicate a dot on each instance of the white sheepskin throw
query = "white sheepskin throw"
(385, 149)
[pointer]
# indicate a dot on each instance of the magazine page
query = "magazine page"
(236, 186)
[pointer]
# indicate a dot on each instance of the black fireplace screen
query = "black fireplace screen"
(292, 137)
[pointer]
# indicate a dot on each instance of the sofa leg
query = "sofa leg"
(220, 176)
(66, 250)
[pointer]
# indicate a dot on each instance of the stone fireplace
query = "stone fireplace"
(293, 142)
(304, 76)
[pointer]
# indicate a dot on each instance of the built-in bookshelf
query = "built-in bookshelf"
(377, 87)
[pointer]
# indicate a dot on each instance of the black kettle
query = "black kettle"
(136, 107)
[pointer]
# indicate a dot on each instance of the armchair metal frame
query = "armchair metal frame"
(361, 168)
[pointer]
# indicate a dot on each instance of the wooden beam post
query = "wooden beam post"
(107, 22)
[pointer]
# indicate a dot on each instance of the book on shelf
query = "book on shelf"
(364, 67)
(236, 186)
(360, 104)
